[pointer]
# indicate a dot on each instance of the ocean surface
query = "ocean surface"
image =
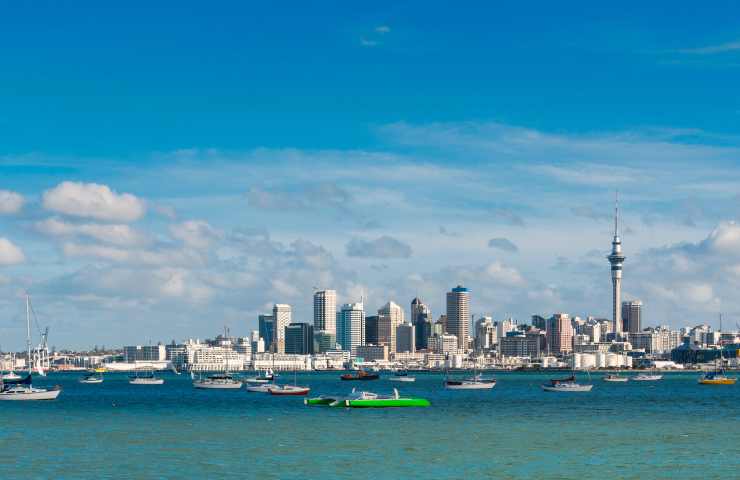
(668, 429)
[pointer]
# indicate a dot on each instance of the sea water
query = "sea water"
(667, 429)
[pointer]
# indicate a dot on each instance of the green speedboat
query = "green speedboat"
(368, 400)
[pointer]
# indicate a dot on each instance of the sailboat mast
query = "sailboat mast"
(28, 332)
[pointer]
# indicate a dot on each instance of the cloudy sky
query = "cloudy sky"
(169, 170)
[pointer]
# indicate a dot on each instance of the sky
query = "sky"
(171, 169)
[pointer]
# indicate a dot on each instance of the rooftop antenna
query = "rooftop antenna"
(616, 213)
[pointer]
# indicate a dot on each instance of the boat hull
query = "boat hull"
(99, 380)
(289, 392)
(140, 381)
(218, 386)
(717, 381)
(647, 378)
(402, 379)
(386, 403)
(33, 394)
(470, 386)
(570, 389)
(616, 379)
(261, 388)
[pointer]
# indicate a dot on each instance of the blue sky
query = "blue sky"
(249, 152)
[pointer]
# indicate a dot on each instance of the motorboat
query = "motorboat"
(402, 377)
(92, 378)
(223, 381)
(647, 377)
(615, 378)
(288, 390)
(470, 384)
(368, 400)
(566, 385)
(361, 375)
(22, 388)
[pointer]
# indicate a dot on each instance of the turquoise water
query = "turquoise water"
(633, 430)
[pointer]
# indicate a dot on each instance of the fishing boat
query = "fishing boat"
(222, 381)
(566, 385)
(361, 375)
(23, 389)
(614, 377)
(267, 377)
(368, 400)
(146, 377)
(92, 377)
(402, 376)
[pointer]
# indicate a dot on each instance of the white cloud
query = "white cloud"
(10, 202)
(712, 49)
(383, 29)
(162, 257)
(382, 247)
(116, 234)
(504, 275)
(92, 200)
(195, 233)
(9, 253)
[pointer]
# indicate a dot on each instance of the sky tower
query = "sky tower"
(616, 258)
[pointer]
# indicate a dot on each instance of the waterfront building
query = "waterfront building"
(370, 353)
(559, 334)
(405, 338)
(458, 314)
(351, 326)
(390, 316)
(616, 260)
(485, 334)
(267, 329)
(282, 316)
(144, 353)
(632, 316)
(281, 362)
(443, 344)
(325, 311)
(519, 344)
(299, 339)
(205, 358)
(243, 345)
(324, 342)
(592, 329)
(421, 319)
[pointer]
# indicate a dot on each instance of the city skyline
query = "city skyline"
(198, 190)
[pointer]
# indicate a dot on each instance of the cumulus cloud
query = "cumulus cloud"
(382, 247)
(195, 233)
(10, 202)
(160, 257)
(310, 197)
(116, 234)
(9, 253)
(92, 200)
(503, 244)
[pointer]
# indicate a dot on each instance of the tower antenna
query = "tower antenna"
(616, 213)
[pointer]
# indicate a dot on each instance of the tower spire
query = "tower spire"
(616, 213)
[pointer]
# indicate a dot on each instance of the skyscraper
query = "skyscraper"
(299, 339)
(405, 338)
(281, 315)
(325, 311)
(632, 316)
(616, 259)
(267, 329)
(390, 316)
(458, 314)
(421, 319)
(371, 330)
(351, 326)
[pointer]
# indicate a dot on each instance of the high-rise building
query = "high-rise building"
(632, 316)
(390, 316)
(351, 326)
(323, 341)
(325, 311)
(405, 338)
(559, 334)
(485, 334)
(539, 322)
(267, 328)
(458, 314)
(299, 339)
(371, 330)
(282, 315)
(421, 319)
(616, 260)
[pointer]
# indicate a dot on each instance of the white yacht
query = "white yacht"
(223, 381)
(268, 376)
(566, 385)
(145, 378)
(650, 376)
(92, 377)
(23, 389)
(260, 387)
(615, 378)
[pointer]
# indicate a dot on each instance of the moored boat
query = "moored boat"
(260, 387)
(470, 384)
(647, 377)
(267, 377)
(716, 378)
(92, 378)
(368, 400)
(566, 385)
(145, 378)
(288, 390)
(220, 381)
(615, 378)
(402, 376)
(361, 375)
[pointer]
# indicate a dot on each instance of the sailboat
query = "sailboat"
(615, 377)
(289, 389)
(651, 376)
(23, 389)
(567, 385)
(147, 377)
(476, 382)
(717, 377)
